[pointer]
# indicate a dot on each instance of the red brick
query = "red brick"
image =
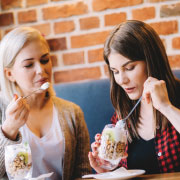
(114, 19)
(73, 58)
(65, 26)
(89, 23)
(170, 10)
(6, 19)
(164, 42)
(77, 74)
(166, 27)
(8, 4)
(27, 16)
(35, 2)
(174, 61)
(100, 5)
(64, 10)
(154, 1)
(106, 70)
(95, 55)
(54, 60)
(144, 13)
(0, 34)
(176, 43)
(89, 39)
(57, 44)
(45, 29)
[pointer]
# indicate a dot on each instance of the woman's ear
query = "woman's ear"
(9, 74)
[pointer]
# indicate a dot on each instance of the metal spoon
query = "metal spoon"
(121, 123)
(43, 87)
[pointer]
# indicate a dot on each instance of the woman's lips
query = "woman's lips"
(129, 90)
(41, 81)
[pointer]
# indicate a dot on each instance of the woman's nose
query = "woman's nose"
(122, 78)
(39, 68)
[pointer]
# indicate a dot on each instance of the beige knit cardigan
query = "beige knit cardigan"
(76, 139)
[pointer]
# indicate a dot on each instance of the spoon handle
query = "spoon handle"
(121, 123)
(139, 100)
(30, 94)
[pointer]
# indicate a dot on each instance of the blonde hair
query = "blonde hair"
(10, 46)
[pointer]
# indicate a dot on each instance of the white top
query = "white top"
(48, 151)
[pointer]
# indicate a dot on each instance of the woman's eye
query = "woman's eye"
(28, 66)
(129, 68)
(44, 61)
(115, 72)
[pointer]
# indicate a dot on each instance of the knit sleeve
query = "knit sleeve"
(82, 165)
(4, 142)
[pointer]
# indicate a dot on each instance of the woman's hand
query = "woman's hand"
(94, 160)
(155, 91)
(16, 116)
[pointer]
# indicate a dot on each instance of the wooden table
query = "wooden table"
(166, 176)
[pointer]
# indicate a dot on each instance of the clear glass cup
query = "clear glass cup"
(113, 146)
(18, 161)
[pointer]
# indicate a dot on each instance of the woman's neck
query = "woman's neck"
(146, 112)
(147, 125)
(38, 101)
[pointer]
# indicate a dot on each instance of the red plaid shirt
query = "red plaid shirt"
(167, 146)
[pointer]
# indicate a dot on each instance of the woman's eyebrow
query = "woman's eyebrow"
(112, 68)
(128, 62)
(44, 55)
(28, 59)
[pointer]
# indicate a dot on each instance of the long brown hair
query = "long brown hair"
(136, 40)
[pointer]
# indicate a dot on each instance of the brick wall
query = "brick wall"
(77, 29)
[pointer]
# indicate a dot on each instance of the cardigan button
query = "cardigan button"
(159, 153)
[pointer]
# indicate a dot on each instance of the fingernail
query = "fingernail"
(15, 96)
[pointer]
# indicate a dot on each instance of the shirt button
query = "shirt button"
(159, 153)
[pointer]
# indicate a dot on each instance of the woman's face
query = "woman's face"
(32, 67)
(130, 75)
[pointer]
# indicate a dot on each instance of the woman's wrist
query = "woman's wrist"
(165, 109)
(9, 133)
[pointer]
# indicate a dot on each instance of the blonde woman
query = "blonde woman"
(54, 128)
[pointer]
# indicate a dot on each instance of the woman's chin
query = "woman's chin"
(134, 96)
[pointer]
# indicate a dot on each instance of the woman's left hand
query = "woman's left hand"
(155, 90)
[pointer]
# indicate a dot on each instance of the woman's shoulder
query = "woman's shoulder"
(69, 109)
(178, 84)
(178, 87)
(1, 99)
(177, 91)
(65, 104)
(3, 102)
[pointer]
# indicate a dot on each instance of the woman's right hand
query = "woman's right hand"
(94, 160)
(16, 116)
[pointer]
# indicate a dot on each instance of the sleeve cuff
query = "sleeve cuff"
(9, 141)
